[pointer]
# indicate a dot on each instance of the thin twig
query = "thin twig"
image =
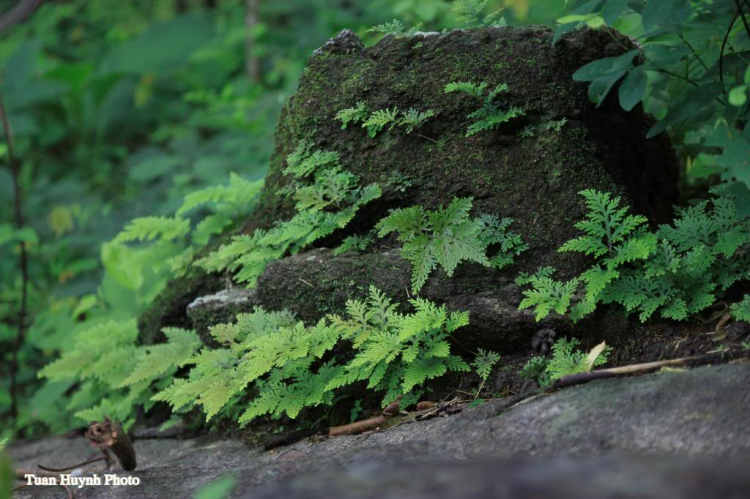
(742, 15)
(724, 45)
(577, 379)
(72, 467)
(15, 169)
(19, 13)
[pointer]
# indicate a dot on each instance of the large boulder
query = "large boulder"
(569, 145)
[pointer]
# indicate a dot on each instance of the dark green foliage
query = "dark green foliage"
(493, 113)
(448, 236)
(690, 70)
(679, 270)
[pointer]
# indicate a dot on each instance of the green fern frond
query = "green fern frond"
(466, 87)
(150, 228)
(380, 119)
(484, 362)
(355, 114)
(413, 119)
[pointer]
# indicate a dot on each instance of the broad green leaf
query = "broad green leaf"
(632, 88)
(605, 67)
(664, 12)
(738, 95)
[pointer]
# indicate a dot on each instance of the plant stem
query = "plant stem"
(15, 169)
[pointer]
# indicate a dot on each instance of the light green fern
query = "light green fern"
(380, 119)
(355, 114)
(474, 13)
(447, 237)
(327, 198)
(413, 119)
(566, 360)
(677, 271)
(395, 28)
(274, 365)
(105, 358)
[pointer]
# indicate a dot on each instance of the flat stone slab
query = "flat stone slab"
(628, 437)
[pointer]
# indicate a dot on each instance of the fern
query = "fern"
(413, 119)
(484, 362)
(379, 120)
(355, 114)
(492, 113)
(353, 243)
(327, 202)
(741, 310)
(447, 237)
(278, 363)
(474, 13)
(466, 87)
(395, 28)
(566, 360)
(677, 271)
(150, 228)
(106, 359)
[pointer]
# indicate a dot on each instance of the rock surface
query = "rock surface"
(568, 145)
(634, 437)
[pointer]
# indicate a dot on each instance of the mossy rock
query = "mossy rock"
(532, 177)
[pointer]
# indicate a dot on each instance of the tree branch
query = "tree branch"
(19, 13)
(23, 261)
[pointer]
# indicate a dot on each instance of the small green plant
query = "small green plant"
(556, 125)
(327, 198)
(483, 363)
(280, 364)
(474, 13)
(448, 236)
(413, 119)
(380, 119)
(566, 360)
(395, 28)
(741, 310)
(679, 270)
(493, 113)
(353, 243)
(105, 358)
(355, 114)
(527, 132)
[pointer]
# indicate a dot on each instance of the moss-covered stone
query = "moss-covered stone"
(534, 177)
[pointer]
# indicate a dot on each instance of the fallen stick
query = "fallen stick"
(358, 427)
(577, 379)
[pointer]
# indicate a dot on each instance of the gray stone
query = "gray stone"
(626, 438)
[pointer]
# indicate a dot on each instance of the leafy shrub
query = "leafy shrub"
(324, 205)
(492, 113)
(566, 360)
(690, 73)
(448, 236)
(282, 365)
(679, 270)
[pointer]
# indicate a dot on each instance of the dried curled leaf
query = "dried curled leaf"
(358, 427)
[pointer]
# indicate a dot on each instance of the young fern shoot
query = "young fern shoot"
(492, 113)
